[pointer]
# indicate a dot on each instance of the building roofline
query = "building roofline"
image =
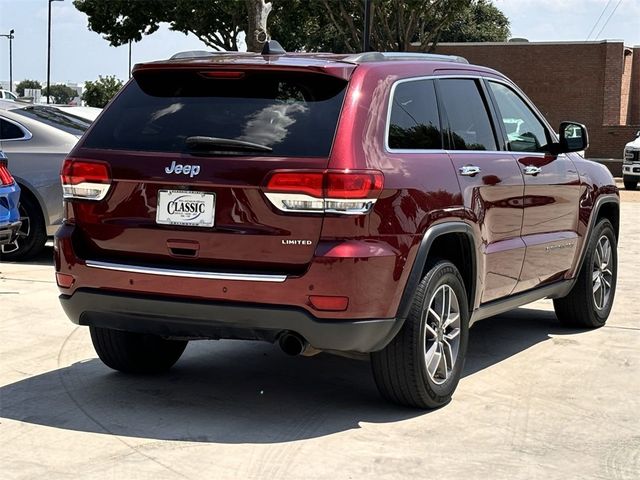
(588, 42)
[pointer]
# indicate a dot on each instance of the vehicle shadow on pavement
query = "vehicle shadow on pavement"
(43, 258)
(233, 392)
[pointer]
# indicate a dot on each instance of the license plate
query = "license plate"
(179, 207)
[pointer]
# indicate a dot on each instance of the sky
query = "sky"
(79, 54)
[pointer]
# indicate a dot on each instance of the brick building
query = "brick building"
(595, 83)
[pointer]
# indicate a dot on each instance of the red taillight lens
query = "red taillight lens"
(330, 191)
(309, 183)
(353, 185)
(85, 179)
(75, 172)
(64, 280)
(5, 176)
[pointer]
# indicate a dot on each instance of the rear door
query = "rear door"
(491, 183)
(551, 193)
(189, 153)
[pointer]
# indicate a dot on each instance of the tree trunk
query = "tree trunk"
(258, 12)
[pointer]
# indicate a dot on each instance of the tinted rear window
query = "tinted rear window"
(55, 117)
(294, 114)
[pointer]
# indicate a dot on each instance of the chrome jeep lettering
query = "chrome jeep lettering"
(178, 168)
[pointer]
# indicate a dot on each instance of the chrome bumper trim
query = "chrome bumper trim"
(169, 272)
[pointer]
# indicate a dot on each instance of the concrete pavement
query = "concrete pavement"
(536, 401)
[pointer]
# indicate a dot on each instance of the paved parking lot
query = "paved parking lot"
(536, 401)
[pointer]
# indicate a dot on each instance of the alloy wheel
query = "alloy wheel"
(442, 334)
(602, 275)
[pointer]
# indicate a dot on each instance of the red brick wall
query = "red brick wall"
(582, 81)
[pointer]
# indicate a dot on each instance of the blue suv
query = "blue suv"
(9, 197)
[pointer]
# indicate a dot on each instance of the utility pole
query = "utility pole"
(366, 40)
(129, 58)
(49, 51)
(10, 36)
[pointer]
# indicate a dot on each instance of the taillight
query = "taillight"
(85, 179)
(5, 176)
(331, 191)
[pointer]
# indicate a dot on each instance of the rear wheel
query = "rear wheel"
(630, 183)
(589, 303)
(32, 235)
(135, 352)
(422, 365)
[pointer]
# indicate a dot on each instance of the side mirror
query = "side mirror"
(573, 138)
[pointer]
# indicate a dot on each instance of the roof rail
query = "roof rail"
(386, 56)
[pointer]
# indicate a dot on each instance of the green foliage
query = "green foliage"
(60, 93)
(216, 22)
(98, 93)
(312, 25)
(481, 22)
(24, 84)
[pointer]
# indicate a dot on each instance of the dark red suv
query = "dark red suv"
(375, 204)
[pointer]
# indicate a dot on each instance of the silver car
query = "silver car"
(36, 139)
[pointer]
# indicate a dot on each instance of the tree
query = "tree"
(325, 25)
(481, 22)
(61, 93)
(24, 84)
(98, 93)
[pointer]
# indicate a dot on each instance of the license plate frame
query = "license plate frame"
(174, 207)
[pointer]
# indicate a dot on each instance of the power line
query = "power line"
(609, 18)
(598, 20)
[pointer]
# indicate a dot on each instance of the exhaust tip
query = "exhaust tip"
(293, 344)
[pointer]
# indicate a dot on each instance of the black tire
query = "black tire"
(32, 236)
(400, 369)
(629, 183)
(580, 308)
(130, 352)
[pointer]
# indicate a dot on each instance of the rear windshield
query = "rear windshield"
(291, 113)
(56, 118)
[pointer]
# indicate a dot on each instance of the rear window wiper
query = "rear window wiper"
(208, 145)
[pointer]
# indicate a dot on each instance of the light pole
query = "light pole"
(10, 37)
(366, 40)
(49, 51)
(129, 58)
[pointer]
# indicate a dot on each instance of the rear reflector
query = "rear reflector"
(343, 192)
(64, 280)
(5, 176)
(85, 179)
(329, 303)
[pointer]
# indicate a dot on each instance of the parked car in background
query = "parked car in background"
(36, 139)
(7, 95)
(631, 163)
(374, 205)
(9, 197)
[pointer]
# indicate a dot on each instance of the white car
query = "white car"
(7, 95)
(631, 163)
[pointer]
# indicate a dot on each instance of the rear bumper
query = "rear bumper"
(8, 232)
(201, 319)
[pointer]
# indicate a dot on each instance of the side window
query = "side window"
(9, 131)
(469, 122)
(414, 122)
(525, 133)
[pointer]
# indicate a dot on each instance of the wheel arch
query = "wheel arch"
(28, 190)
(453, 241)
(437, 241)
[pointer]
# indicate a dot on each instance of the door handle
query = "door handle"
(469, 170)
(532, 170)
